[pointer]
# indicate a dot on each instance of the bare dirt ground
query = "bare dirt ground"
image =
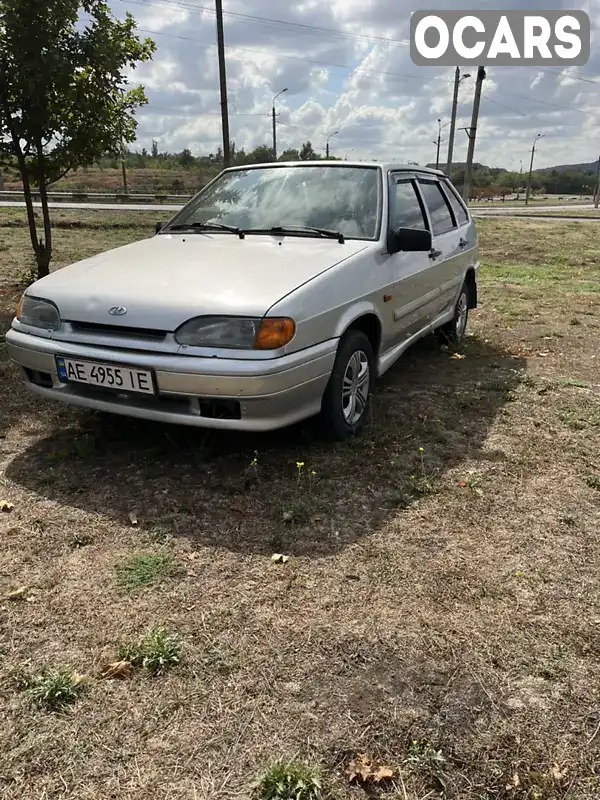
(440, 609)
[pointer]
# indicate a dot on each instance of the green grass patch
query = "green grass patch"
(143, 571)
(157, 651)
(54, 689)
(289, 781)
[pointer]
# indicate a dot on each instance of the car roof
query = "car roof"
(385, 166)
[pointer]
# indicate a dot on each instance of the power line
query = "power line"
(269, 22)
(304, 60)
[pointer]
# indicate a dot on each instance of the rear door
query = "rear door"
(447, 260)
(415, 294)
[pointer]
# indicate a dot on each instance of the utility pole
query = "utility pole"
(597, 187)
(472, 134)
(223, 82)
(457, 80)
(275, 124)
(124, 167)
(528, 193)
(439, 144)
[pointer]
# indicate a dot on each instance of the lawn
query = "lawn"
(429, 626)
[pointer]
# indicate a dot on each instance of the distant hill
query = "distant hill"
(591, 167)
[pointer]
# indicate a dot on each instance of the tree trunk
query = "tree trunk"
(29, 206)
(45, 246)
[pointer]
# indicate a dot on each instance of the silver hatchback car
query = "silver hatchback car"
(279, 292)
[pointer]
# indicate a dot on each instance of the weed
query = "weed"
(55, 689)
(423, 484)
(296, 512)
(289, 781)
(157, 651)
(424, 757)
(571, 382)
(139, 572)
(593, 481)
(526, 379)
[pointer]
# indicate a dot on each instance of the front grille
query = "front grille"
(121, 331)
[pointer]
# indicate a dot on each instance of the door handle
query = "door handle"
(435, 254)
(463, 243)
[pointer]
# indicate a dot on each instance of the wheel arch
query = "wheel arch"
(363, 318)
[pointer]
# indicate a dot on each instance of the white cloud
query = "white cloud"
(346, 69)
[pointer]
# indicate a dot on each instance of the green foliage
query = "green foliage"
(54, 689)
(157, 651)
(139, 572)
(64, 99)
(289, 781)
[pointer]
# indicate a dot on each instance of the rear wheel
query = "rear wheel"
(346, 401)
(454, 332)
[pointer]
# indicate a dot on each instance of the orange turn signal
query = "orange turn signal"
(19, 307)
(274, 333)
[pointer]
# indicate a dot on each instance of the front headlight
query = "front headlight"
(38, 313)
(237, 333)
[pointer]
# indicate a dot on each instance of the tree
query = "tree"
(185, 158)
(63, 97)
(290, 155)
(307, 153)
(154, 148)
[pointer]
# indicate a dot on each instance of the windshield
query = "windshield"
(343, 199)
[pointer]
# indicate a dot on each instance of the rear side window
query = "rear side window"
(457, 207)
(406, 208)
(439, 207)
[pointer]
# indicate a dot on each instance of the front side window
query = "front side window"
(343, 199)
(439, 209)
(406, 210)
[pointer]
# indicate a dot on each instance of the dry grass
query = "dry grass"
(451, 635)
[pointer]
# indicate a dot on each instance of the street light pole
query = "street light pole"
(457, 81)
(275, 124)
(539, 136)
(348, 153)
(327, 143)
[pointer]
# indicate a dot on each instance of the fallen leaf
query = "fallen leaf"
(457, 357)
(558, 774)
(383, 774)
(133, 519)
(81, 680)
(6, 506)
(117, 671)
(364, 770)
(18, 594)
(193, 556)
(316, 520)
(278, 558)
(463, 484)
(288, 516)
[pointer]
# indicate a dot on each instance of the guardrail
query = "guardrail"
(99, 197)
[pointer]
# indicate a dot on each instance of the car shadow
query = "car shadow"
(287, 491)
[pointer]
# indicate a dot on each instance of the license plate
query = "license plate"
(107, 376)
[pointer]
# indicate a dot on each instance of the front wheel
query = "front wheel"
(345, 405)
(454, 332)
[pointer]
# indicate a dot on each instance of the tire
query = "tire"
(345, 405)
(454, 332)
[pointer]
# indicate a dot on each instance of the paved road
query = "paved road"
(168, 209)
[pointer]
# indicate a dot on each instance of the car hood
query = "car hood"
(165, 280)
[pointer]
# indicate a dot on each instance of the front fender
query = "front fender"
(354, 312)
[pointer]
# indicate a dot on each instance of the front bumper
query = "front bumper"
(265, 394)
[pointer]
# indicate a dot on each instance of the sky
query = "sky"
(349, 77)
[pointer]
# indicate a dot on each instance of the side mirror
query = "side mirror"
(159, 226)
(410, 240)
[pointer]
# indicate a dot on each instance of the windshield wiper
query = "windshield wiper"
(205, 226)
(308, 229)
